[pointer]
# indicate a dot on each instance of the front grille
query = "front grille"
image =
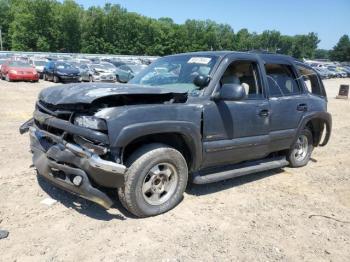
(53, 110)
(50, 129)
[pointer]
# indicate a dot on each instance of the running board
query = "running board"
(217, 174)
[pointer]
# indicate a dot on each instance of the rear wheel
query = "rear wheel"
(56, 79)
(300, 153)
(155, 181)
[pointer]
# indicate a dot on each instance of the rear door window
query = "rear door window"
(281, 80)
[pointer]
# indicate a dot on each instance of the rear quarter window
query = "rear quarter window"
(311, 80)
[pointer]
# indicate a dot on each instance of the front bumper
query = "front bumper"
(73, 168)
(26, 77)
(104, 78)
(67, 78)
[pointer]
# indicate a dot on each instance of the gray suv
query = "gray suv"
(199, 117)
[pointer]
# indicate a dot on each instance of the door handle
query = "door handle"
(302, 107)
(264, 113)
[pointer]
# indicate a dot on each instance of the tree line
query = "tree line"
(50, 25)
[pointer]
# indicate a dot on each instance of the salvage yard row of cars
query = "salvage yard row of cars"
(327, 70)
(18, 68)
(67, 69)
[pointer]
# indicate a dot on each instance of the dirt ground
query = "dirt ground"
(262, 217)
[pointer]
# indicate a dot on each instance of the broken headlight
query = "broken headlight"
(90, 122)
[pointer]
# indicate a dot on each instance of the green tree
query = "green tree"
(69, 24)
(52, 25)
(270, 40)
(322, 54)
(33, 19)
(5, 18)
(341, 52)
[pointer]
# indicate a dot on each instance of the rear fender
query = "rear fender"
(326, 119)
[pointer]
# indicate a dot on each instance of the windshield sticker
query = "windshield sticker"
(199, 60)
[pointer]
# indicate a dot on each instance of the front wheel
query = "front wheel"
(155, 181)
(56, 79)
(300, 153)
(7, 77)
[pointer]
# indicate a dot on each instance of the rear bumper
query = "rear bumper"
(72, 168)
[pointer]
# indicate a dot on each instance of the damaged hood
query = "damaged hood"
(87, 93)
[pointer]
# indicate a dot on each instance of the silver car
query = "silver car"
(96, 73)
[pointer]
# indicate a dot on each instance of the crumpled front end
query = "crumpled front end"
(72, 157)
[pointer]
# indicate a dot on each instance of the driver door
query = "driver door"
(236, 131)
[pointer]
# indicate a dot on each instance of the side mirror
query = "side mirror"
(201, 81)
(231, 92)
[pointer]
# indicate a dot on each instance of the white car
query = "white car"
(39, 65)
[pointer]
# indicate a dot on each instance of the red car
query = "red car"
(18, 70)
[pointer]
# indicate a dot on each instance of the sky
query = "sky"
(329, 19)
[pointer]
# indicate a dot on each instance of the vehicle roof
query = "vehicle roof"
(261, 54)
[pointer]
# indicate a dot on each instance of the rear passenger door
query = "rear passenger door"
(288, 103)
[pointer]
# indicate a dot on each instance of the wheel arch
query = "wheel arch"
(318, 123)
(183, 136)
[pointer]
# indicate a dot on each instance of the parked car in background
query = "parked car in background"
(96, 73)
(336, 71)
(127, 72)
(18, 70)
(39, 65)
(346, 70)
(324, 73)
(2, 61)
(57, 71)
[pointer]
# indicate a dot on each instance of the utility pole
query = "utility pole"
(0, 39)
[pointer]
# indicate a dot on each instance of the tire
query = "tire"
(56, 79)
(117, 79)
(300, 153)
(147, 193)
(7, 77)
(91, 79)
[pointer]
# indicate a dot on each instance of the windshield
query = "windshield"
(39, 63)
(107, 66)
(63, 66)
(101, 67)
(137, 68)
(75, 64)
(19, 64)
(176, 71)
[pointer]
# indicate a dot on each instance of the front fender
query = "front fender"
(188, 130)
